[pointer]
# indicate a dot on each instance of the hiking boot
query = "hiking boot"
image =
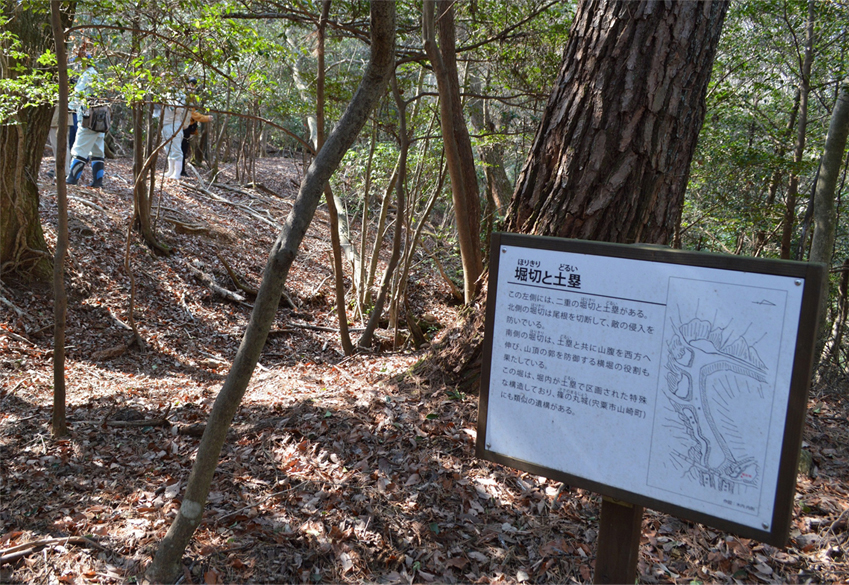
(97, 171)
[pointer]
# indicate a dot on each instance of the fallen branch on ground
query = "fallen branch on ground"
(314, 328)
(159, 421)
(12, 306)
(267, 498)
(244, 208)
(210, 282)
(14, 553)
(17, 337)
(197, 429)
(264, 189)
(91, 204)
(117, 320)
(182, 227)
(235, 277)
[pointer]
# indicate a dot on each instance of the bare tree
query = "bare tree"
(166, 562)
(825, 216)
(60, 298)
(458, 145)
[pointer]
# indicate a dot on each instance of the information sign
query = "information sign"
(673, 380)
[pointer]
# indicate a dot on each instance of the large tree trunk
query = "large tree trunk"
(166, 563)
(612, 156)
(23, 250)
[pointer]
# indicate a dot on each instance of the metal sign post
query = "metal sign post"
(665, 379)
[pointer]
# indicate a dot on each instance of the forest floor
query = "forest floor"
(338, 469)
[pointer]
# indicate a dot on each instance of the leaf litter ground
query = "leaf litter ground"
(336, 470)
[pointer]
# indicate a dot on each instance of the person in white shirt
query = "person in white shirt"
(174, 116)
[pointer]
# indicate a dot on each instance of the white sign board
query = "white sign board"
(666, 381)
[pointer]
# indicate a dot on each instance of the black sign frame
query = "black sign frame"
(814, 276)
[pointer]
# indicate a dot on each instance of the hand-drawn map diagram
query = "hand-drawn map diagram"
(716, 396)
(669, 379)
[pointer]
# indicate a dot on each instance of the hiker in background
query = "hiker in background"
(74, 70)
(91, 134)
(74, 63)
(174, 115)
(195, 117)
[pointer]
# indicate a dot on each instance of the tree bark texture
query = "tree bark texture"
(166, 563)
(611, 158)
(23, 250)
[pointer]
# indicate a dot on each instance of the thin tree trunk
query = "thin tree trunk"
(804, 92)
(413, 241)
(60, 298)
(142, 200)
(335, 244)
(400, 185)
(835, 341)
(825, 216)
(400, 283)
(775, 179)
(362, 288)
(458, 148)
(805, 235)
(381, 229)
(498, 186)
(166, 562)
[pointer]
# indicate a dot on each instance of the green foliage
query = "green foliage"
(455, 395)
(749, 133)
(26, 82)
